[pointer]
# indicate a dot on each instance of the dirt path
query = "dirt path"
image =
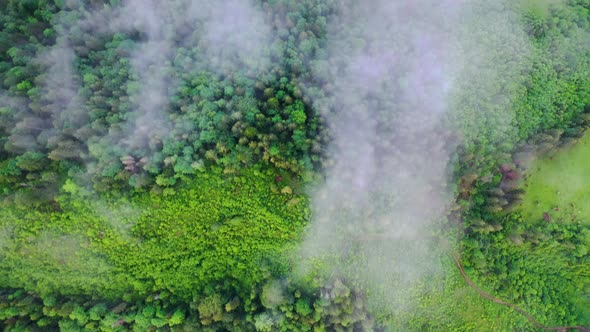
(457, 259)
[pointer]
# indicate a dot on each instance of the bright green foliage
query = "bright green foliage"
(190, 229)
(539, 260)
(451, 305)
(210, 309)
(543, 268)
(215, 230)
(218, 236)
(177, 318)
(558, 185)
(548, 92)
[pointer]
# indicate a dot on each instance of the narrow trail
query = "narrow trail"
(457, 259)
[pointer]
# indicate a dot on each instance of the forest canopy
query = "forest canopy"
(281, 165)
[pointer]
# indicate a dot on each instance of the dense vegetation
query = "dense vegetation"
(188, 218)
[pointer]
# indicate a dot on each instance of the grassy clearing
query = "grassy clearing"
(545, 261)
(559, 184)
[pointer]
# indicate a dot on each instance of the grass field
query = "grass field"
(210, 231)
(558, 184)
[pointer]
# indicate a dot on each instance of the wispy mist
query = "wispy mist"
(234, 36)
(394, 73)
(8, 105)
(494, 55)
(60, 86)
(219, 37)
(404, 82)
(149, 62)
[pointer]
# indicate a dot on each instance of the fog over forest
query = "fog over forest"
(280, 165)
